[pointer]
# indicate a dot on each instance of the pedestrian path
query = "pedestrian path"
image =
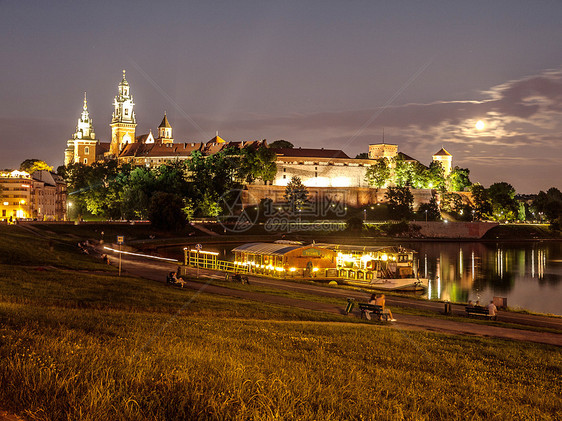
(157, 271)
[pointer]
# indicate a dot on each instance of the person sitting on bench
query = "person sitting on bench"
(372, 300)
(177, 280)
(381, 301)
(492, 310)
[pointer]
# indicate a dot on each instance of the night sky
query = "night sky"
(329, 74)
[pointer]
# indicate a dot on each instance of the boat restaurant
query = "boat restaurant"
(286, 259)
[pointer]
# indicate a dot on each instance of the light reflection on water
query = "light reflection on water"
(529, 275)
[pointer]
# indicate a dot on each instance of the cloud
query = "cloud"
(523, 127)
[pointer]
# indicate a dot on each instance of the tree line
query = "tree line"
(170, 194)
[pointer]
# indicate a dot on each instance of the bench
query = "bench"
(373, 310)
(478, 311)
(239, 278)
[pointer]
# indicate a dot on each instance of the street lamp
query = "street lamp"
(68, 207)
(426, 215)
(364, 214)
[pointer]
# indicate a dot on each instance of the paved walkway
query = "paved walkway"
(157, 270)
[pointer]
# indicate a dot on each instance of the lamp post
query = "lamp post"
(68, 207)
(426, 215)
(364, 214)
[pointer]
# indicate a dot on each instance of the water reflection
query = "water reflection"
(529, 275)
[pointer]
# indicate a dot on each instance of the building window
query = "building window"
(86, 150)
(85, 160)
(284, 176)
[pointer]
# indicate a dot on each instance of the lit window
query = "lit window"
(85, 160)
(86, 150)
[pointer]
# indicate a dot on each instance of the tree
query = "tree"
(459, 179)
(137, 193)
(362, 155)
(400, 201)
(32, 165)
(481, 201)
(549, 204)
(265, 165)
(209, 206)
(165, 211)
(451, 202)
(502, 198)
(296, 195)
(402, 172)
(217, 174)
(429, 210)
(281, 144)
(436, 176)
(378, 175)
(419, 176)
(188, 209)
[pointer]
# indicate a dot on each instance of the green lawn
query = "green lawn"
(89, 346)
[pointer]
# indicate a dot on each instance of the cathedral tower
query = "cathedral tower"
(165, 131)
(82, 147)
(124, 122)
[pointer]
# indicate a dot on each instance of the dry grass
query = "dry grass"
(79, 346)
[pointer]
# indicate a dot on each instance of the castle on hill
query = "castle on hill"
(128, 147)
(325, 172)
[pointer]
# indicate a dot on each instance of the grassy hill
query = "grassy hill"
(78, 342)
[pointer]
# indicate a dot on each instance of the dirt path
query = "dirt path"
(157, 270)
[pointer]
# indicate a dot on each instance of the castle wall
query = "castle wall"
(317, 173)
(350, 196)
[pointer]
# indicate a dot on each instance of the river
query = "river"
(528, 274)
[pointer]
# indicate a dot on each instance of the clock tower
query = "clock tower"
(124, 121)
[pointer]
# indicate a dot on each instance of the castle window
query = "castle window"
(284, 176)
(86, 150)
(85, 160)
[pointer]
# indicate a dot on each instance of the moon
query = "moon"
(480, 125)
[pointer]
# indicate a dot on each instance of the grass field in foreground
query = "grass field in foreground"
(84, 346)
(108, 364)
